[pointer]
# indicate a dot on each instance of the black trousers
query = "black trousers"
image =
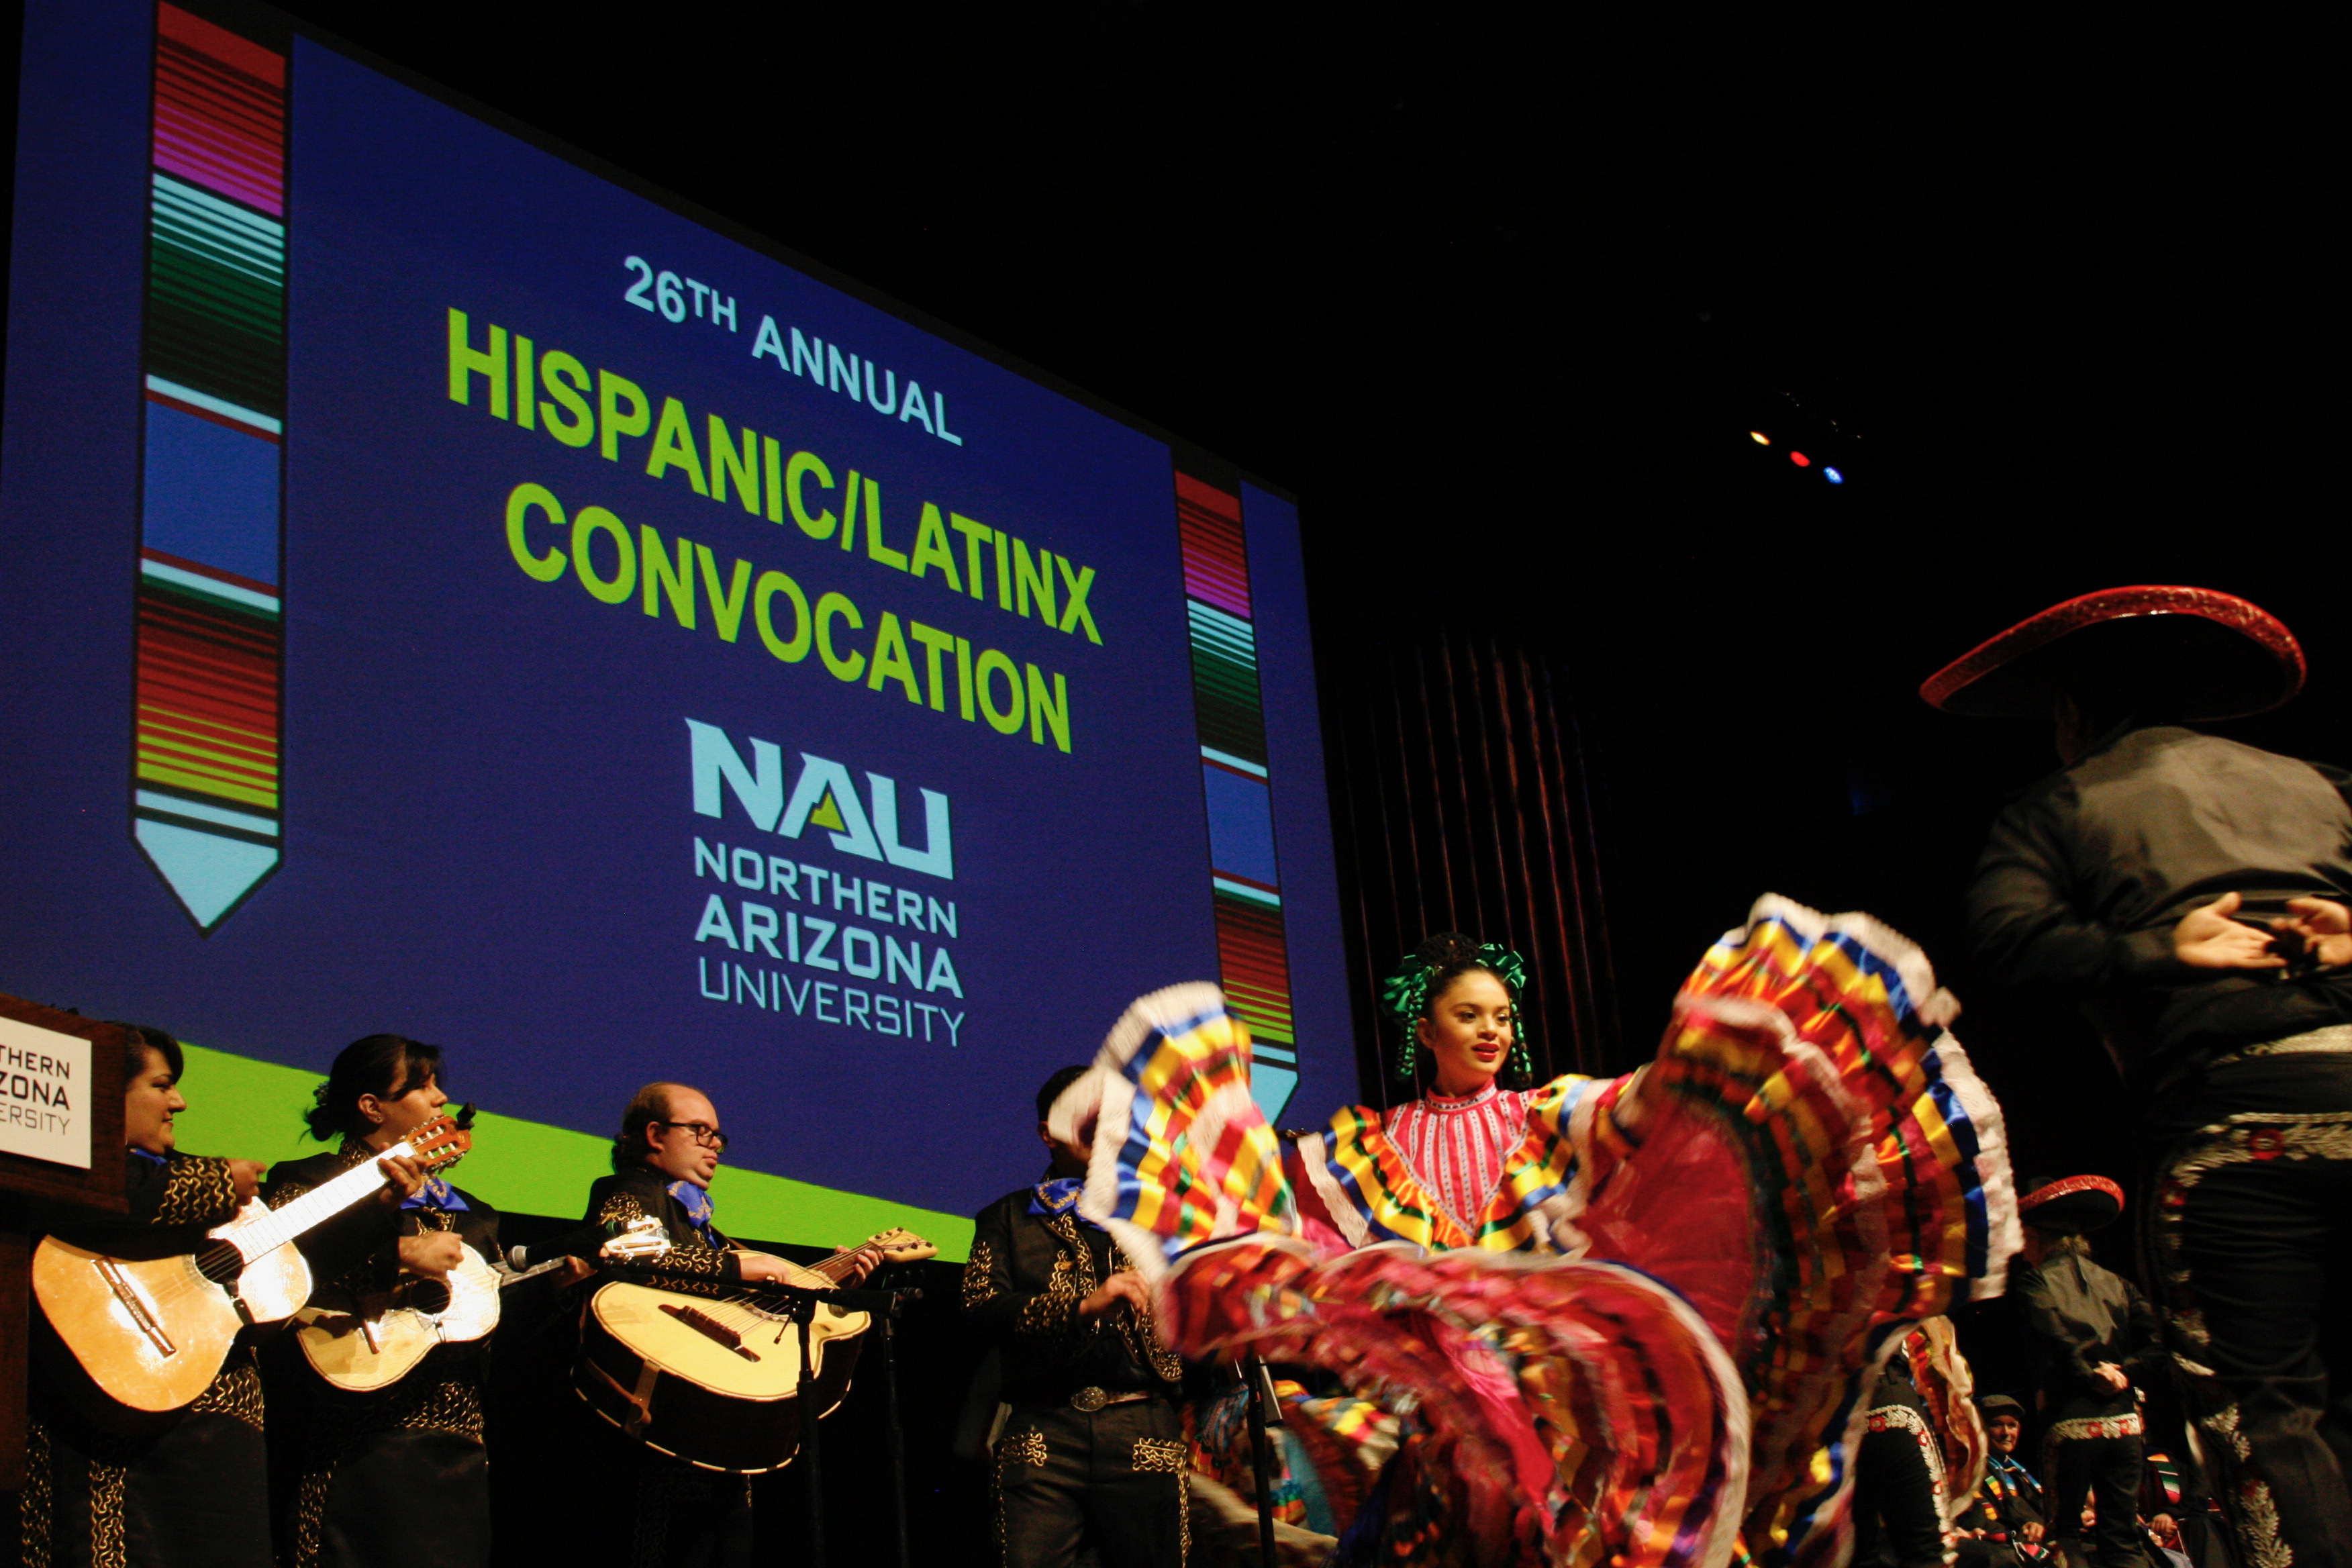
(1896, 1520)
(388, 1474)
(2108, 1471)
(195, 1497)
(1114, 1480)
(2253, 1233)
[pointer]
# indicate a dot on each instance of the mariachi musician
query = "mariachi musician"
(195, 1493)
(664, 1159)
(1091, 1447)
(421, 1437)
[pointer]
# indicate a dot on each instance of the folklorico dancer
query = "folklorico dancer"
(1618, 1320)
(2194, 895)
(196, 1492)
(1090, 1446)
(2095, 1340)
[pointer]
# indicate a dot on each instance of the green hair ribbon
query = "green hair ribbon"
(1405, 995)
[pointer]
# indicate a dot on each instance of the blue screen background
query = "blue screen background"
(489, 814)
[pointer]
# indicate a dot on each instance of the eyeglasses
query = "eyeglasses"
(702, 1132)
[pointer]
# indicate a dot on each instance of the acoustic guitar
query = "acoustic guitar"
(716, 1380)
(362, 1344)
(153, 1332)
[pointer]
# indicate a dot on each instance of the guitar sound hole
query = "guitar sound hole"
(220, 1263)
(429, 1296)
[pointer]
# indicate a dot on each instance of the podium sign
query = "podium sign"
(44, 1094)
(61, 1141)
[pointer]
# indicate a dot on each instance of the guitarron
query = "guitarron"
(716, 1380)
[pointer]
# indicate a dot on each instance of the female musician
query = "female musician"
(1621, 1319)
(195, 1495)
(419, 1440)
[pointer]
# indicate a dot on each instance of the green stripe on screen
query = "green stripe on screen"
(253, 1110)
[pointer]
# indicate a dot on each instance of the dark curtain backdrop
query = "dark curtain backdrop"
(1459, 802)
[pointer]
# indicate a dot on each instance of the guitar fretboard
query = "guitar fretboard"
(836, 1266)
(275, 1228)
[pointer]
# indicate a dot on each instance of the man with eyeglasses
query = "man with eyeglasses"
(663, 1159)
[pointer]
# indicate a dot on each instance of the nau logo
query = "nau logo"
(823, 797)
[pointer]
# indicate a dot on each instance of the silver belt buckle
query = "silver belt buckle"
(1087, 1401)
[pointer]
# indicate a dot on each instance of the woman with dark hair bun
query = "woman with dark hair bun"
(419, 1439)
(1594, 1320)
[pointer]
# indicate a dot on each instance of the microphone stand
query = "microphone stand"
(1262, 1411)
(898, 1433)
(800, 1304)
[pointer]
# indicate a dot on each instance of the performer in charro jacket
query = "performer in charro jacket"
(1922, 1455)
(1092, 1448)
(664, 1158)
(195, 1495)
(2096, 1339)
(365, 1457)
(2194, 896)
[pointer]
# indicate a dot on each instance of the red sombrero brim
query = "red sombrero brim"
(2205, 654)
(2073, 1205)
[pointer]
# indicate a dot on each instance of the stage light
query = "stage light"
(1833, 476)
(1760, 438)
(1801, 459)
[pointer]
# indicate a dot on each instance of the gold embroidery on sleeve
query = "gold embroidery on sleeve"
(979, 1276)
(197, 1191)
(235, 1391)
(37, 1504)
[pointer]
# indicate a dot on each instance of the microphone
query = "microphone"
(583, 1242)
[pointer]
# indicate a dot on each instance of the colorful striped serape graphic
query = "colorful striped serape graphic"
(209, 717)
(1246, 884)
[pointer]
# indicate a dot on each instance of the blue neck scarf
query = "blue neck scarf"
(696, 1202)
(151, 1159)
(437, 1194)
(1058, 1195)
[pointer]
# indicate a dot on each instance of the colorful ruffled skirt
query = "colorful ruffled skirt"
(1814, 1169)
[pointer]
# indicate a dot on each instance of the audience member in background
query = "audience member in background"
(2004, 1522)
(2193, 895)
(2094, 1338)
(2164, 1534)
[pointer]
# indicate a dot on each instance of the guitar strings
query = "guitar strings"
(270, 1223)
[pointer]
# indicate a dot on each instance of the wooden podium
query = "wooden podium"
(95, 1096)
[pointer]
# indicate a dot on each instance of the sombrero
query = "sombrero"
(2071, 1206)
(2194, 653)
